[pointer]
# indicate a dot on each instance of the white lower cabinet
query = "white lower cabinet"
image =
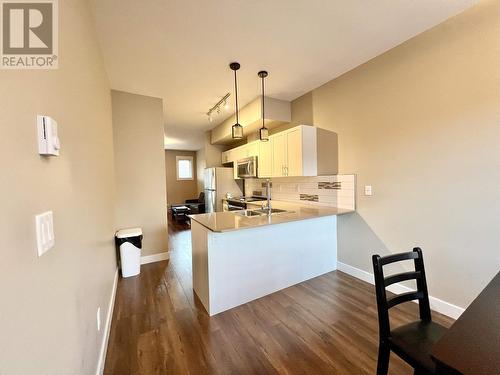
(269, 258)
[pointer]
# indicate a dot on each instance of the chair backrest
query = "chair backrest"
(381, 282)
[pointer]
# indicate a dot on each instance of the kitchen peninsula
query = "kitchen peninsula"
(237, 258)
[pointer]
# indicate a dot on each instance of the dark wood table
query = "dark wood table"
(180, 212)
(472, 344)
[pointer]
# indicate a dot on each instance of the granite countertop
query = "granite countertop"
(229, 221)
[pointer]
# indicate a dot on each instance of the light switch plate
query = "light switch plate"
(368, 190)
(45, 239)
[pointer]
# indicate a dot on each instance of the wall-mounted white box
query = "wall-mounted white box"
(45, 239)
(48, 140)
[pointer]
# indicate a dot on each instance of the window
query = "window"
(184, 167)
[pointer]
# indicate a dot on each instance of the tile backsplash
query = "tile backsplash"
(336, 190)
(309, 197)
(330, 185)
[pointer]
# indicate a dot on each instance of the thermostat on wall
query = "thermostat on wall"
(48, 141)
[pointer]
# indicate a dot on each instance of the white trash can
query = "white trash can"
(130, 244)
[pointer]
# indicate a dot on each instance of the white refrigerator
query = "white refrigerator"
(219, 182)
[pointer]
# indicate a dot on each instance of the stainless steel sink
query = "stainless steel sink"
(259, 212)
(248, 213)
(273, 211)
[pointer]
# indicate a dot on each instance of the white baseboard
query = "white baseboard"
(437, 304)
(155, 258)
(107, 328)
(356, 272)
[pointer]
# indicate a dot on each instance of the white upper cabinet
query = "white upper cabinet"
(299, 151)
(288, 153)
(227, 156)
(239, 153)
(294, 154)
(252, 149)
(265, 159)
(279, 154)
(304, 151)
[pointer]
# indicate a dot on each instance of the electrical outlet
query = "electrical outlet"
(368, 190)
(99, 318)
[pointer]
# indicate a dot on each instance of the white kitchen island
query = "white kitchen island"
(237, 259)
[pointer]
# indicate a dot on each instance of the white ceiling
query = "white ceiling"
(179, 50)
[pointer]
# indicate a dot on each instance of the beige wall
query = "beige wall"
(421, 124)
(179, 191)
(208, 156)
(302, 110)
(201, 164)
(213, 153)
(49, 304)
(140, 168)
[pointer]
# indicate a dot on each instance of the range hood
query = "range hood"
(278, 112)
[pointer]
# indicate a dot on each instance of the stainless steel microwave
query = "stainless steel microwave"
(247, 168)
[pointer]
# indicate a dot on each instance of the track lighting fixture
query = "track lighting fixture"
(219, 106)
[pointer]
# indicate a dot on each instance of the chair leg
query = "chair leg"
(384, 353)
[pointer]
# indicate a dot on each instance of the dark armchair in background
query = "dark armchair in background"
(195, 206)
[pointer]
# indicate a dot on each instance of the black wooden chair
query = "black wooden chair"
(412, 342)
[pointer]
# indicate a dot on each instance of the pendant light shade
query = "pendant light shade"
(237, 129)
(263, 132)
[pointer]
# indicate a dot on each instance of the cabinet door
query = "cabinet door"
(252, 149)
(237, 154)
(265, 161)
(293, 165)
(279, 155)
(226, 157)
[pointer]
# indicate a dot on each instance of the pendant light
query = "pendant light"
(237, 129)
(263, 132)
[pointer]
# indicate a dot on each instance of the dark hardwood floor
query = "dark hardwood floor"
(327, 325)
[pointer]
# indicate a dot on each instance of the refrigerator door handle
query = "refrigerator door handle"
(210, 200)
(210, 178)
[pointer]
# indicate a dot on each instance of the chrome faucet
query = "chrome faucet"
(268, 191)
